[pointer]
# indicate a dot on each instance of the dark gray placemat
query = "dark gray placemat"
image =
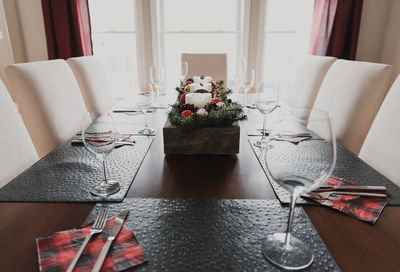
(213, 235)
(68, 174)
(348, 167)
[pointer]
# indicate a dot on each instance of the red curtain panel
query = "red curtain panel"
(335, 28)
(67, 25)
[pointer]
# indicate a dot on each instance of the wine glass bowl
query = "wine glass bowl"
(184, 70)
(301, 156)
(99, 137)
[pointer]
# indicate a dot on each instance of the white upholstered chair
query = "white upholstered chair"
(214, 65)
(352, 93)
(50, 101)
(381, 148)
(93, 82)
(308, 80)
(17, 152)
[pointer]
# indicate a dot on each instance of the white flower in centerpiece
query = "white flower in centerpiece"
(199, 100)
(202, 112)
(220, 104)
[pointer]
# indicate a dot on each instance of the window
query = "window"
(192, 26)
(287, 33)
(114, 42)
(277, 30)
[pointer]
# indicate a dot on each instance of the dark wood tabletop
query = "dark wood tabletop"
(355, 245)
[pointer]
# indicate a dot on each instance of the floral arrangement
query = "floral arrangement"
(203, 102)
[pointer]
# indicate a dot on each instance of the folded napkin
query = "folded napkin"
(104, 139)
(363, 208)
(58, 250)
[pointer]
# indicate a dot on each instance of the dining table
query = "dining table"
(354, 245)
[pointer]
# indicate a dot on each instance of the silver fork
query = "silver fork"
(326, 195)
(97, 227)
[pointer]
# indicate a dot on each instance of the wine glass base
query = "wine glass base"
(105, 189)
(147, 132)
(261, 144)
(161, 106)
(297, 256)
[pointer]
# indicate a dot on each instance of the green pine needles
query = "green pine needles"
(221, 112)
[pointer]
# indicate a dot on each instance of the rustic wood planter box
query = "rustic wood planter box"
(203, 141)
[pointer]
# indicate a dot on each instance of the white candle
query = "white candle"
(200, 86)
(199, 100)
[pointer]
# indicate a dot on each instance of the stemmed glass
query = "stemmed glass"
(184, 70)
(99, 137)
(144, 100)
(247, 81)
(301, 156)
(267, 100)
(157, 79)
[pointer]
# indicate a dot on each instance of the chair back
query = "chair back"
(381, 148)
(93, 82)
(352, 93)
(214, 65)
(17, 152)
(308, 79)
(50, 101)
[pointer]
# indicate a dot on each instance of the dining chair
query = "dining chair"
(93, 82)
(352, 92)
(50, 101)
(308, 80)
(214, 65)
(381, 148)
(17, 152)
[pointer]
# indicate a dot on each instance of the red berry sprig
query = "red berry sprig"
(186, 113)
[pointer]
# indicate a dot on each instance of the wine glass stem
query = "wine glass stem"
(146, 126)
(264, 125)
(245, 97)
(103, 161)
(293, 199)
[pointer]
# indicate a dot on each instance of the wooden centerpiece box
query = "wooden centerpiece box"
(202, 141)
(203, 121)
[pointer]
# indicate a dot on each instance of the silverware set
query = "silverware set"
(98, 227)
(328, 192)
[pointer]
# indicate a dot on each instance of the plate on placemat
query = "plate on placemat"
(213, 235)
(348, 167)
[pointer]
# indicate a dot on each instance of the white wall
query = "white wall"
(391, 41)
(6, 56)
(26, 29)
(379, 38)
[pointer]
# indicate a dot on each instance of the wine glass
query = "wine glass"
(144, 100)
(247, 81)
(184, 71)
(157, 79)
(301, 156)
(99, 137)
(267, 100)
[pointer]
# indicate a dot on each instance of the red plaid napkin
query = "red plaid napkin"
(364, 208)
(57, 251)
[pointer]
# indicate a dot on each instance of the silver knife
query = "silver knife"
(114, 232)
(349, 187)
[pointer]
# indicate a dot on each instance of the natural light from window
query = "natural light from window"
(114, 42)
(206, 26)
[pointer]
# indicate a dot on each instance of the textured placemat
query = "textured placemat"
(213, 235)
(68, 173)
(348, 167)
